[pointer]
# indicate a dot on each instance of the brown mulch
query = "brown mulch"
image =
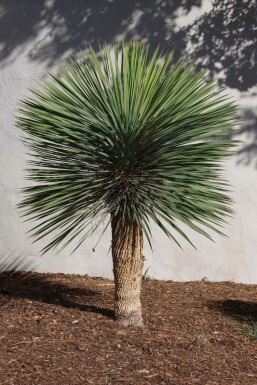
(59, 329)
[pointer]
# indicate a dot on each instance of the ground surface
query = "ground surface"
(59, 329)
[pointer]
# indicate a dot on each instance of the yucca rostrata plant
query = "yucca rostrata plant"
(126, 138)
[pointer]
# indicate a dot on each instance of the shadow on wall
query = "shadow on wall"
(220, 35)
(19, 263)
(225, 42)
(224, 39)
(60, 27)
(247, 154)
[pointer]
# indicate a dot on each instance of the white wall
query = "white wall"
(222, 38)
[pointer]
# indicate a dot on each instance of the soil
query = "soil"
(60, 329)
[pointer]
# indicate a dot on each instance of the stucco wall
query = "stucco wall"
(220, 35)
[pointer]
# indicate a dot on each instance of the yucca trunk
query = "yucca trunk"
(127, 243)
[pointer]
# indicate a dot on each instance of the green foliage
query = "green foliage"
(145, 275)
(250, 331)
(127, 134)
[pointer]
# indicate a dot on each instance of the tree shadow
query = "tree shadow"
(243, 311)
(225, 42)
(40, 288)
(247, 154)
(55, 27)
(223, 39)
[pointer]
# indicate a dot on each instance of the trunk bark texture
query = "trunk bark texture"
(127, 244)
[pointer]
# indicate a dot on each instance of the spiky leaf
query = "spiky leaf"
(130, 135)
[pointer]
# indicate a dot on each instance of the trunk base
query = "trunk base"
(130, 318)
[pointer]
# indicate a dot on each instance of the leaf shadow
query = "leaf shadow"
(242, 311)
(38, 287)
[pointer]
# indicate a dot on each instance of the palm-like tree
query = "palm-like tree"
(126, 138)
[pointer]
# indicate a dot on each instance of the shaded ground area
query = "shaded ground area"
(59, 329)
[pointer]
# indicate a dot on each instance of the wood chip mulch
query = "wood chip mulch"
(59, 329)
